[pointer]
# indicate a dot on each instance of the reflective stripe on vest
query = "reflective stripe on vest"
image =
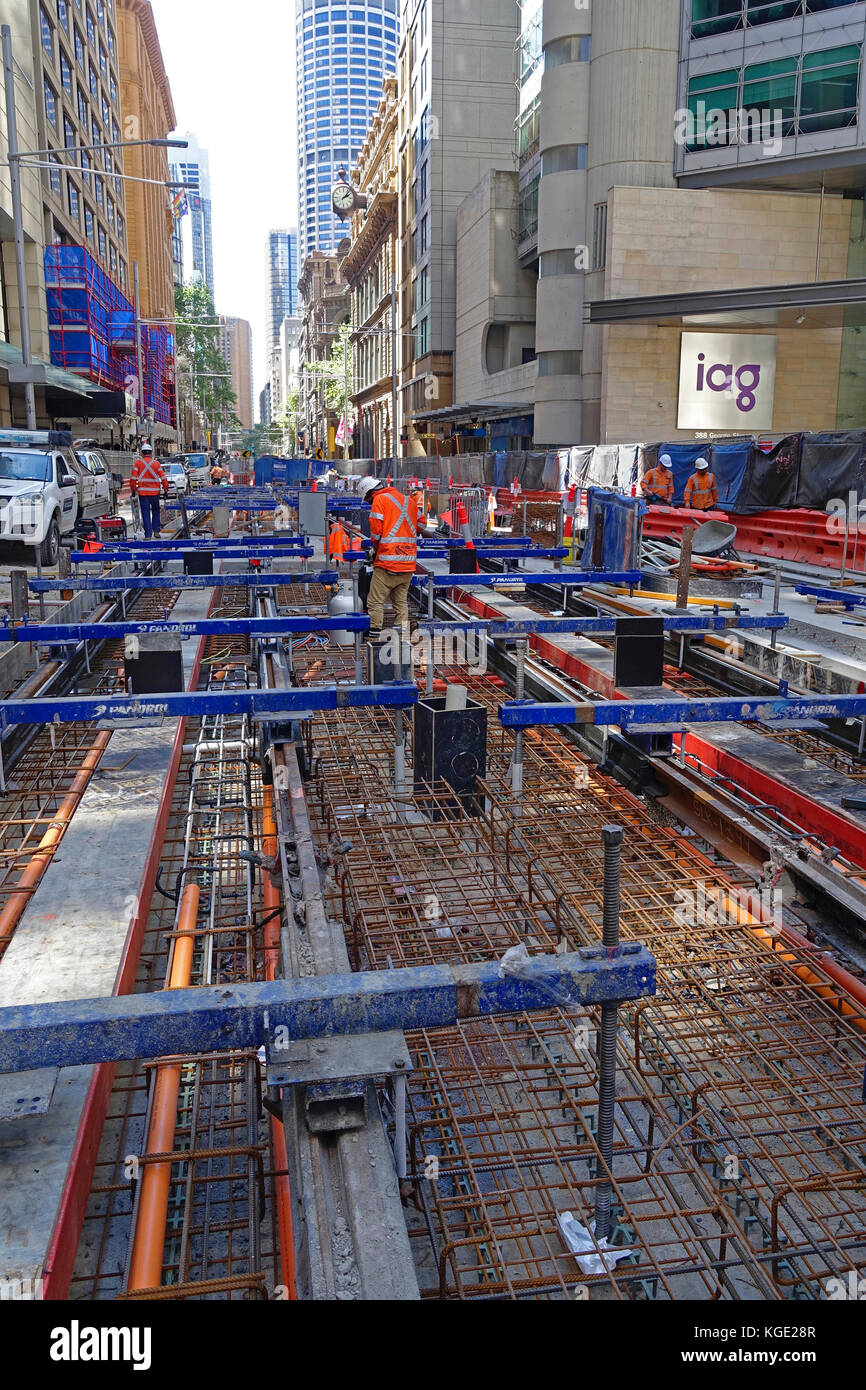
(147, 480)
(398, 549)
(700, 484)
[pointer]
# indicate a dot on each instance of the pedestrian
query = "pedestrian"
(394, 527)
(658, 482)
(147, 483)
(702, 494)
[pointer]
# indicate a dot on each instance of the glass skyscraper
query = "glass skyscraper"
(281, 275)
(344, 51)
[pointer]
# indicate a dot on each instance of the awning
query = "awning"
(476, 412)
(818, 304)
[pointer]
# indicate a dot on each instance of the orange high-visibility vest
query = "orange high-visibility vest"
(701, 491)
(338, 543)
(394, 521)
(659, 481)
(148, 478)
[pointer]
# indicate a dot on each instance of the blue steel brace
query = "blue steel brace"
(288, 704)
(238, 552)
(833, 595)
(674, 714)
(515, 628)
(529, 577)
(182, 1022)
(113, 583)
(70, 634)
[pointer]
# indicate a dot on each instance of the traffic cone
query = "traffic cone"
(463, 523)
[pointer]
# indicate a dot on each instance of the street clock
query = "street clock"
(345, 198)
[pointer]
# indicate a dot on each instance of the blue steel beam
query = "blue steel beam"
(183, 1022)
(235, 552)
(674, 714)
(272, 704)
(495, 553)
(70, 634)
(529, 577)
(202, 542)
(606, 627)
(112, 583)
(833, 595)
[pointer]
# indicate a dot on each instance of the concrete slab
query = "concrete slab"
(69, 944)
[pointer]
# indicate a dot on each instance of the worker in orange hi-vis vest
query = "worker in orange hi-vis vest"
(702, 492)
(148, 482)
(658, 482)
(338, 542)
(395, 522)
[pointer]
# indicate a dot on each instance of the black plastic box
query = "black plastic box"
(639, 652)
(451, 746)
(198, 562)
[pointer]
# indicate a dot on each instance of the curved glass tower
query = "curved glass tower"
(344, 50)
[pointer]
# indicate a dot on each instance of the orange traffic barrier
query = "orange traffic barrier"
(145, 1267)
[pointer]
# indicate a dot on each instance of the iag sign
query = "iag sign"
(727, 381)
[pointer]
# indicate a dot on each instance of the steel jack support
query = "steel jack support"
(612, 840)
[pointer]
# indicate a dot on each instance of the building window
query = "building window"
(79, 48)
(528, 124)
(722, 16)
(88, 223)
(82, 108)
(599, 236)
(63, 14)
(818, 93)
(559, 363)
(571, 50)
(72, 199)
(561, 159)
(85, 166)
(94, 81)
(102, 242)
(54, 177)
(69, 139)
(91, 28)
(97, 188)
(556, 263)
(46, 33)
(65, 74)
(527, 211)
(828, 92)
(50, 105)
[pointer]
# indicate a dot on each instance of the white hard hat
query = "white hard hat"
(366, 486)
(146, 449)
(665, 461)
(702, 464)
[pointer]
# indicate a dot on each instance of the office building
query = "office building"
(458, 105)
(342, 52)
(148, 110)
(236, 348)
(193, 170)
(281, 282)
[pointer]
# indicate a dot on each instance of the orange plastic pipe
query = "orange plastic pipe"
(145, 1267)
(281, 1154)
(848, 983)
(11, 914)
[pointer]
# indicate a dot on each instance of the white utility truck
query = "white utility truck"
(45, 488)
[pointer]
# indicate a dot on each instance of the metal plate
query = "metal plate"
(339, 1059)
(27, 1093)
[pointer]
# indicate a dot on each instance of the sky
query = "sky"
(231, 70)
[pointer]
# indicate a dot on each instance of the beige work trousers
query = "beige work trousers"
(388, 584)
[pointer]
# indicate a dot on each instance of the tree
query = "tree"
(202, 369)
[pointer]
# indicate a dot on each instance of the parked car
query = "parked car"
(45, 488)
(105, 488)
(178, 481)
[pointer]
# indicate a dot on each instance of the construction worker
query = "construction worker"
(658, 482)
(395, 521)
(701, 491)
(148, 482)
(218, 474)
(338, 542)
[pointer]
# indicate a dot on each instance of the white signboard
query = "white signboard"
(727, 381)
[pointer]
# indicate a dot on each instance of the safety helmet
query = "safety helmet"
(368, 485)
(665, 461)
(146, 449)
(701, 464)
